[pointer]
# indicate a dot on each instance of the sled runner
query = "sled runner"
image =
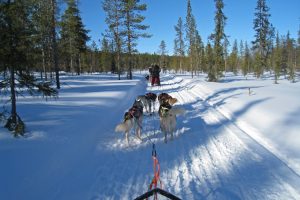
(154, 192)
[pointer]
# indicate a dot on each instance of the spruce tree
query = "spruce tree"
(162, 51)
(73, 35)
(263, 31)
(218, 38)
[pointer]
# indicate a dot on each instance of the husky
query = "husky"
(167, 118)
(148, 101)
(165, 98)
(133, 118)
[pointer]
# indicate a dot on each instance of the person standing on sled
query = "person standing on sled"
(155, 75)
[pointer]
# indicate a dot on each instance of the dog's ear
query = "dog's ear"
(172, 101)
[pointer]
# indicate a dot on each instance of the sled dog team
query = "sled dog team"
(133, 118)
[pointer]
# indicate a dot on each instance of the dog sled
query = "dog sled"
(153, 189)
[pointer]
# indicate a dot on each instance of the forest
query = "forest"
(40, 39)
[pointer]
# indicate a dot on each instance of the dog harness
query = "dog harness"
(164, 109)
(150, 96)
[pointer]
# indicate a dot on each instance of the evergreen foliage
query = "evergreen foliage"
(218, 38)
(264, 33)
(17, 58)
(115, 20)
(246, 60)
(133, 28)
(162, 51)
(179, 46)
(233, 58)
(277, 59)
(73, 36)
(192, 36)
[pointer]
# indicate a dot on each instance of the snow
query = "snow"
(231, 144)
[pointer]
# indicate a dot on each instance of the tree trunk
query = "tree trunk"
(44, 63)
(54, 45)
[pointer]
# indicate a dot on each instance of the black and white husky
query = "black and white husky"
(148, 101)
(133, 118)
(167, 118)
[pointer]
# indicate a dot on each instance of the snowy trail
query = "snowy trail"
(81, 157)
(226, 163)
(209, 158)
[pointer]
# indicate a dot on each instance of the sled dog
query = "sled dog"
(133, 118)
(166, 98)
(167, 117)
(148, 101)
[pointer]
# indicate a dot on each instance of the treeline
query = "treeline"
(269, 51)
(37, 37)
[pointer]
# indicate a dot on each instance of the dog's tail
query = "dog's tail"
(177, 111)
(121, 127)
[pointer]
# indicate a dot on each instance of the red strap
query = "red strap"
(156, 169)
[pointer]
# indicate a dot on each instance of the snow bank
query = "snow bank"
(268, 112)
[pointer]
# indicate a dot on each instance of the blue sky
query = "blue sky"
(162, 16)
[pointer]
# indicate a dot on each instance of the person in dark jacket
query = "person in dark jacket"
(155, 75)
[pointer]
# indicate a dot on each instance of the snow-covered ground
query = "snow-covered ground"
(233, 142)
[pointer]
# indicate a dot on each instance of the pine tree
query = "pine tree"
(209, 60)
(284, 56)
(191, 31)
(115, 19)
(246, 60)
(134, 27)
(54, 43)
(179, 42)
(241, 55)
(94, 51)
(233, 58)
(73, 35)
(277, 59)
(291, 58)
(106, 56)
(17, 44)
(263, 31)
(225, 53)
(218, 37)
(199, 48)
(298, 51)
(42, 38)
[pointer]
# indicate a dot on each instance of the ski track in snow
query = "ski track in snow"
(215, 160)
